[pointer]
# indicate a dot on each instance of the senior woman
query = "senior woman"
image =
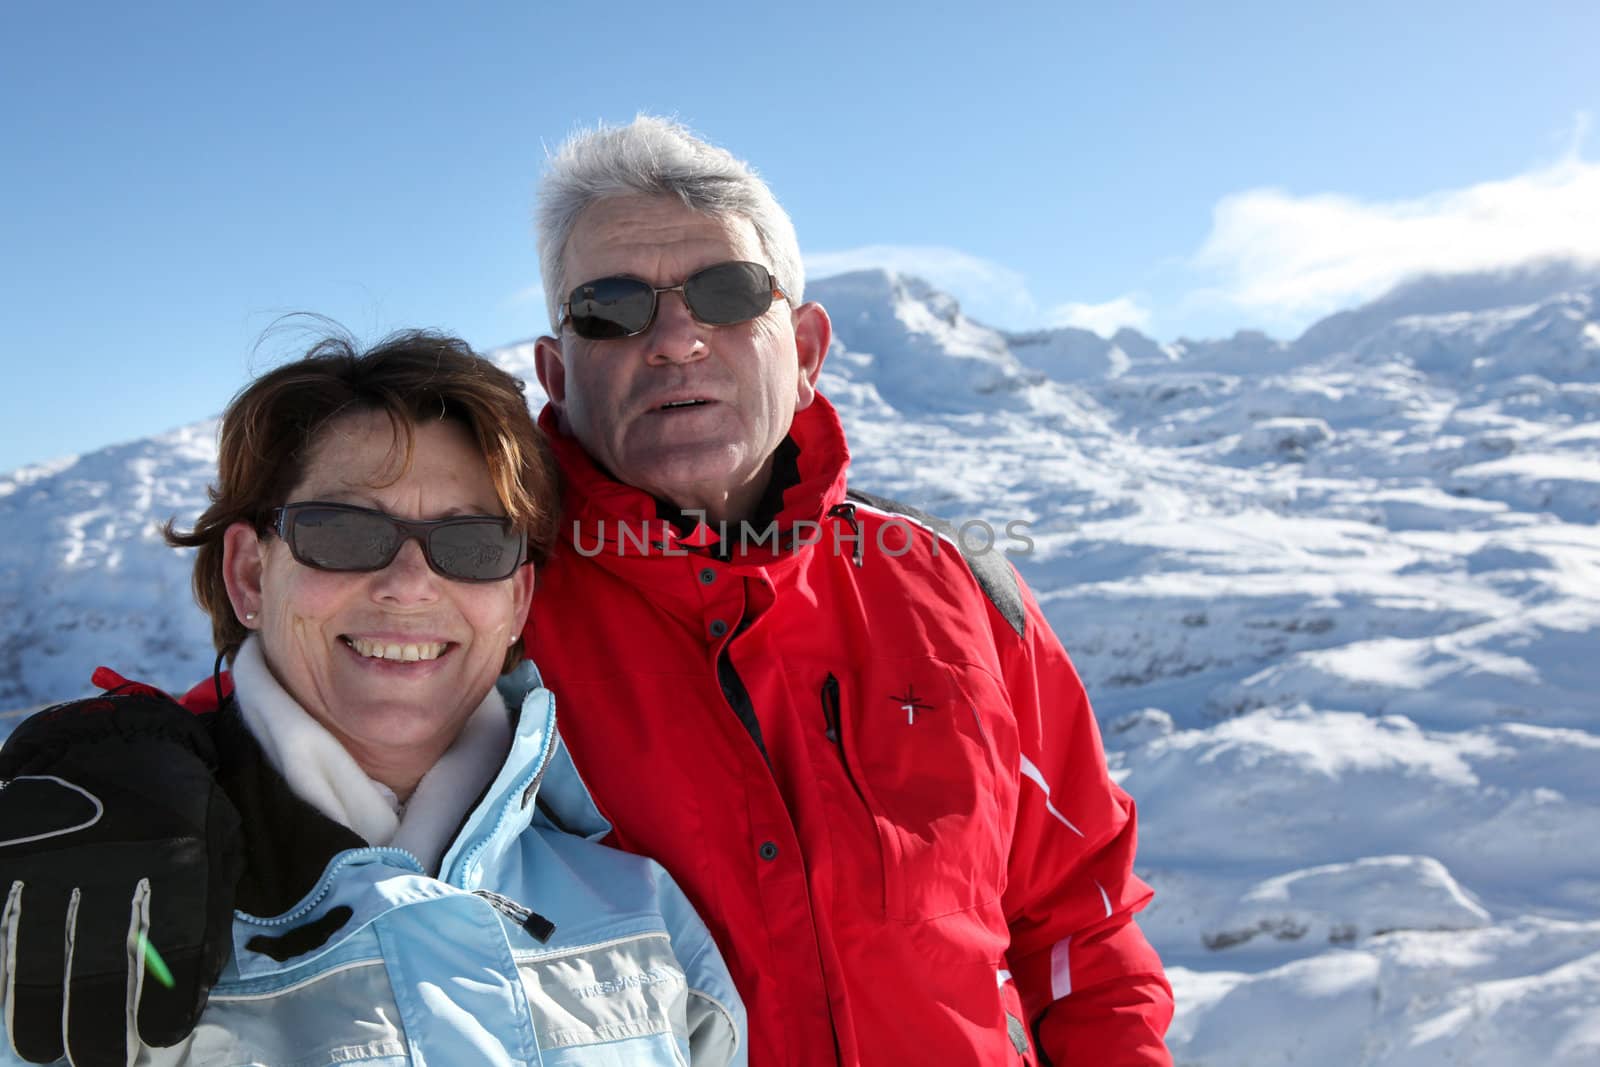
(421, 879)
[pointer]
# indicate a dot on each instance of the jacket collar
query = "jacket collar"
(355, 884)
(599, 510)
(537, 776)
(319, 769)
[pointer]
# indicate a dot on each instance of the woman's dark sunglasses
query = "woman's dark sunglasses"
(342, 537)
(608, 308)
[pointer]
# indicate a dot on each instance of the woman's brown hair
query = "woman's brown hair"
(271, 426)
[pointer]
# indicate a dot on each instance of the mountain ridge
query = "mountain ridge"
(1335, 600)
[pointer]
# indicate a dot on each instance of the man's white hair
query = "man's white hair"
(654, 156)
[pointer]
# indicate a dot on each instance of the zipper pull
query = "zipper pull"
(847, 512)
(830, 708)
(540, 928)
(831, 714)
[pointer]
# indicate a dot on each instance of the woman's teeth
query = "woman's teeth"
(383, 650)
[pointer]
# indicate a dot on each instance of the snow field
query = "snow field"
(1337, 602)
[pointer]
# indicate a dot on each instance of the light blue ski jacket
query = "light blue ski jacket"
(443, 972)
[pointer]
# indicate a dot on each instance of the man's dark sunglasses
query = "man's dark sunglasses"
(342, 537)
(608, 308)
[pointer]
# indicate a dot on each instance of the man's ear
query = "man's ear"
(813, 333)
(242, 558)
(549, 362)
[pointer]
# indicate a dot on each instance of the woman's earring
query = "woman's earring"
(249, 616)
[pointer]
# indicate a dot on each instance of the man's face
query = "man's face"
(625, 399)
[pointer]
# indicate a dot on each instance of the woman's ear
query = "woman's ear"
(524, 582)
(522, 596)
(242, 556)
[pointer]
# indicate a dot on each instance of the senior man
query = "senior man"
(864, 756)
(870, 762)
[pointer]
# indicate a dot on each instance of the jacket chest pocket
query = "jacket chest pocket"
(922, 746)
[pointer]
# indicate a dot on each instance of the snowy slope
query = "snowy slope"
(1337, 601)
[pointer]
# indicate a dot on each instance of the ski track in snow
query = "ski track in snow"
(1337, 602)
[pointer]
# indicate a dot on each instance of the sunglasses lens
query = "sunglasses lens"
(729, 293)
(608, 308)
(332, 539)
(475, 551)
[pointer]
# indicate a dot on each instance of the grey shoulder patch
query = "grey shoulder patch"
(994, 574)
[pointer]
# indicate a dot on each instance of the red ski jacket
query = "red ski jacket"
(869, 763)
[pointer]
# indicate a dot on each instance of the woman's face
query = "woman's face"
(325, 634)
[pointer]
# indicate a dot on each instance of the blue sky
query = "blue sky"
(177, 176)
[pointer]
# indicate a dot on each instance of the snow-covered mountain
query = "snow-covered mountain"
(1337, 601)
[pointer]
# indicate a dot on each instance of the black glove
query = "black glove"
(111, 827)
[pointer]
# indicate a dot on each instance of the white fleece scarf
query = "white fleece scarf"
(322, 773)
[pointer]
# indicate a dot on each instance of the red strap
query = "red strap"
(109, 680)
(202, 698)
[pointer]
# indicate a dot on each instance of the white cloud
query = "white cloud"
(1292, 258)
(988, 292)
(1104, 319)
